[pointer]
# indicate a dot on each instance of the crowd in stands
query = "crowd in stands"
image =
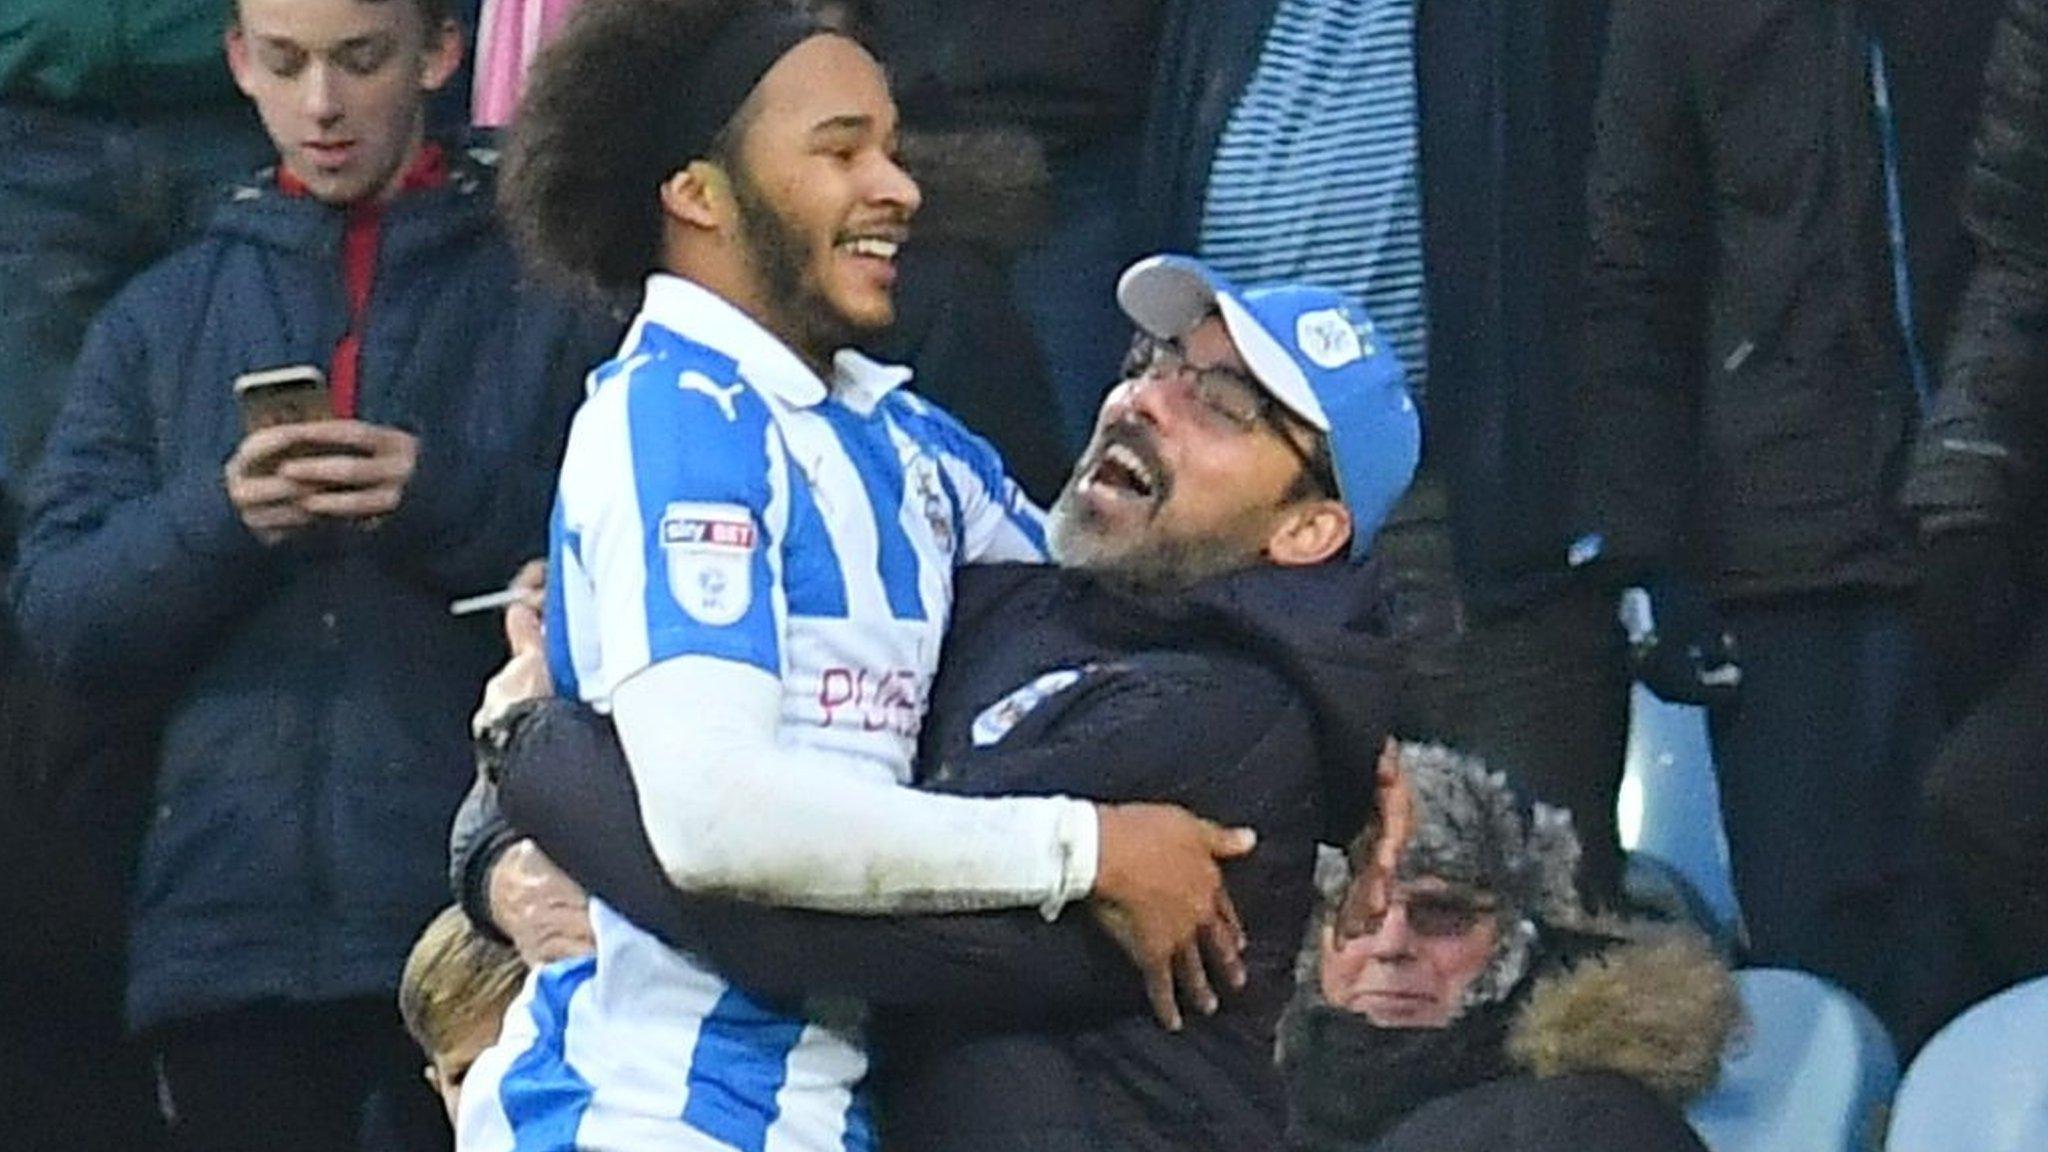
(1362, 354)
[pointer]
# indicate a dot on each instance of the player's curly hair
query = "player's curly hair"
(591, 145)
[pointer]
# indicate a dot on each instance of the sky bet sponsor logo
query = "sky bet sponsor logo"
(708, 550)
(687, 531)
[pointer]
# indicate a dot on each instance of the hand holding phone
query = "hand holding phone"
(299, 463)
(296, 394)
(355, 471)
(271, 398)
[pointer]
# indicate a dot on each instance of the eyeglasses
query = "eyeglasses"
(1227, 400)
(1232, 397)
(1437, 915)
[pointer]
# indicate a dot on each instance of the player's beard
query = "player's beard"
(784, 257)
(1148, 558)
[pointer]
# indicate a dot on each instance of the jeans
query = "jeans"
(1820, 762)
(86, 202)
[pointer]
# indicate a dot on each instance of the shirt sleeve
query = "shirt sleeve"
(1644, 303)
(671, 509)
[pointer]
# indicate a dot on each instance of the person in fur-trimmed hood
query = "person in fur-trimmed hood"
(1456, 995)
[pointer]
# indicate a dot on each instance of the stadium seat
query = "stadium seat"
(1813, 1074)
(1670, 807)
(1981, 1085)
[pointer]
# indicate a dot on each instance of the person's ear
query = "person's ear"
(239, 64)
(699, 195)
(1309, 533)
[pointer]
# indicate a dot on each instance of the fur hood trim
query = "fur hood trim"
(1660, 1006)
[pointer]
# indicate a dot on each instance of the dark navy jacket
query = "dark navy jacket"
(1506, 92)
(314, 696)
(1259, 699)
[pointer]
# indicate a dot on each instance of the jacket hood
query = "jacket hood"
(1325, 628)
(417, 225)
(1658, 1006)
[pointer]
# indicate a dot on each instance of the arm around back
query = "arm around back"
(565, 782)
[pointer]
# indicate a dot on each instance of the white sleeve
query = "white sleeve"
(730, 810)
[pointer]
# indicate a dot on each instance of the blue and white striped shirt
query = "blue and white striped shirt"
(718, 500)
(1317, 176)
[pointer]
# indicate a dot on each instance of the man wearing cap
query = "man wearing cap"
(1209, 640)
(751, 569)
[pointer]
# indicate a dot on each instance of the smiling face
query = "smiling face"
(1415, 960)
(341, 86)
(821, 206)
(1178, 485)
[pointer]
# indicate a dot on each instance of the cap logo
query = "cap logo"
(1327, 338)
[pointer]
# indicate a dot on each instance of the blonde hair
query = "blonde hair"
(455, 979)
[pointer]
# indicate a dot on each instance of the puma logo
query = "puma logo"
(723, 397)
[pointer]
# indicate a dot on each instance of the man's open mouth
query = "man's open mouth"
(1120, 468)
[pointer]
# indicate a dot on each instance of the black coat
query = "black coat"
(1506, 97)
(1979, 461)
(1260, 699)
(1583, 1112)
(1747, 401)
(1059, 70)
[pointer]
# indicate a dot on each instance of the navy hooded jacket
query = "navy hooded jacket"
(314, 695)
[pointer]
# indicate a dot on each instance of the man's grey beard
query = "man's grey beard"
(1144, 563)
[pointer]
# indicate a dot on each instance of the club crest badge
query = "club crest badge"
(1328, 338)
(709, 553)
(997, 719)
(921, 473)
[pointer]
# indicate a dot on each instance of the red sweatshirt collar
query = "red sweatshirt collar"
(429, 169)
(360, 237)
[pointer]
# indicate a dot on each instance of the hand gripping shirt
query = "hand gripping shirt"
(726, 521)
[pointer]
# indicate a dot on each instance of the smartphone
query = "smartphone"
(291, 395)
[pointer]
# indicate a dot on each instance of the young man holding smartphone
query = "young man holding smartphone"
(282, 592)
